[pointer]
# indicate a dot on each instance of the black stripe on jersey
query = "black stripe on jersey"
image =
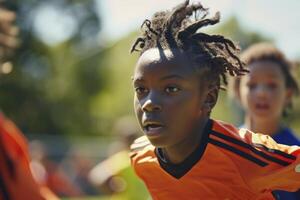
(251, 148)
(3, 190)
(238, 152)
(180, 169)
(276, 151)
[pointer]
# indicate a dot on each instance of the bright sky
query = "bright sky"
(275, 18)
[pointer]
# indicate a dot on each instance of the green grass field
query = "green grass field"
(116, 197)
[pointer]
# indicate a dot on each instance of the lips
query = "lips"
(152, 128)
(262, 106)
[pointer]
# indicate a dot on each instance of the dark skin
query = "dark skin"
(172, 102)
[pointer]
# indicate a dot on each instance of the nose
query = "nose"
(150, 105)
(261, 90)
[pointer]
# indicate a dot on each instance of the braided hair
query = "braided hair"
(178, 29)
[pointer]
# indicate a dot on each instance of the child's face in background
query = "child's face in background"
(263, 91)
(169, 98)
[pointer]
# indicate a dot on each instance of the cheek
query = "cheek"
(279, 93)
(137, 107)
(186, 101)
(189, 107)
(281, 99)
(135, 102)
(138, 111)
(245, 96)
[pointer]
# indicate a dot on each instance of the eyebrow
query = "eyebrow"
(136, 79)
(173, 76)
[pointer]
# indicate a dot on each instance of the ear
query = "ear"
(211, 98)
(288, 96)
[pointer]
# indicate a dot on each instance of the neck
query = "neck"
(266, 126)
(179, 152)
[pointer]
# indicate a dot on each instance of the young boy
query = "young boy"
(185, 154)
(265, 93)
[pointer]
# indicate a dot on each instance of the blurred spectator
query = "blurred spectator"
(77, 165)
(48, 173)
(114, 175)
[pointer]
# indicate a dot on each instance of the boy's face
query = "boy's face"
(169, 98)
(263, 93)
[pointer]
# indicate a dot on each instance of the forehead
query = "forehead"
(266, 69)
(164, 61)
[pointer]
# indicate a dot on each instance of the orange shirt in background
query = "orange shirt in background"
(16, 180)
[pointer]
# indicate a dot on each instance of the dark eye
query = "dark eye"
(252, 86)
(141, 90)
(272, 85)
(172, 89)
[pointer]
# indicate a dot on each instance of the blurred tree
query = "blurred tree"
(116, 98)
(57, 68)
(234, 30)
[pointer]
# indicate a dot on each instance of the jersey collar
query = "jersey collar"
(180, 169)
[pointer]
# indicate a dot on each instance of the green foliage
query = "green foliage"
(232, 29)
(51, 86)
(116, 98)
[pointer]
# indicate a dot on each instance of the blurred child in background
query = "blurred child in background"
(265, 94)
(48, 173)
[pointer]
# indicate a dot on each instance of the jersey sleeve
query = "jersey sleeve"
(141, 151)
(281, 168)
(137, 146)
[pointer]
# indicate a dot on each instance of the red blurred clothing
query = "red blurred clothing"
(60, 183)
(16, 180)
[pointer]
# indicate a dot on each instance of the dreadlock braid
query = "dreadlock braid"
(176, 29)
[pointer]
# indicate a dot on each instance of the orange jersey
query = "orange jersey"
(229, 164)
(16, 180)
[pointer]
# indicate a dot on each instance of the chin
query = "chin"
(263, 117)
(263, 114)
(157, 142)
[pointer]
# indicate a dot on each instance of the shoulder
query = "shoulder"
(141, 148)
(233, 134)
(262, 162)
(229, 132)
(286, 136)
(139, 144)
(258, 148)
